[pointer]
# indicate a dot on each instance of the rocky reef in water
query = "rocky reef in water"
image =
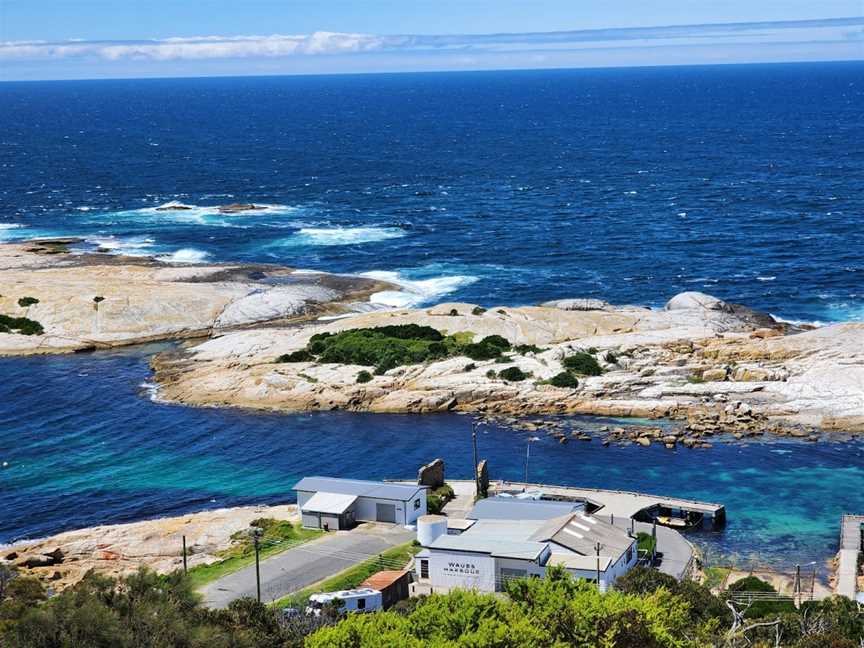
(56, 300)
(714, 366)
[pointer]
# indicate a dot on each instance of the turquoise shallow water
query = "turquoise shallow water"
(86, 445)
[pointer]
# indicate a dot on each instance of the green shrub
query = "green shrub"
(296, 356)
(491, 374)
(24, 302)
(496, 341)
(592, 350)
(469, 367)
(503, 360)
(527, 348)
(565, 380)
(436, 499)
(20, 325)
(454, 312)
(760, 608)
(98, 299)
(611, 358)
(364, 377)
(512, 374)
(480, 351)
(478, 310)
(583, 363)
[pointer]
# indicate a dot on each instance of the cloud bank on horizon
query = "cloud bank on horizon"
(820, 39)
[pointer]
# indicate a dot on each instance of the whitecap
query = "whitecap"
(129, 246)
(185, 255)
(415, 291)
(767, 278)
(343, 235)
(7, 228)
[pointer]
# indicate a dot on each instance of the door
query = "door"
(385, 512)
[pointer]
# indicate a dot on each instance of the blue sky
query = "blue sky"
(48, 39)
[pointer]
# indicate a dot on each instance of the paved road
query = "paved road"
(309, 563)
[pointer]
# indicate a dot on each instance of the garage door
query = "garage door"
(385, 512)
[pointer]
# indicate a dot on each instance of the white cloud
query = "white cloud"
(329, 43)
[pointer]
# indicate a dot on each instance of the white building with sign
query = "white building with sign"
(332, 504)
(491, 551)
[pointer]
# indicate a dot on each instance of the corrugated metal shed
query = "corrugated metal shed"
(358, 487)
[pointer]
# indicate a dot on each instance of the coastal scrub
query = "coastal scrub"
(582, 363)
(388, 347)
(20, 325)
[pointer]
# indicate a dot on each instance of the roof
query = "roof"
(460, 524)
(509, 508)
(334, 503)
(383, 579)
(358, 487)
(576, 561)
(499, 538)
(580, 532)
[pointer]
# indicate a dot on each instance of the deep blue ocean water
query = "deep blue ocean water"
(501, 187)
(498, 187)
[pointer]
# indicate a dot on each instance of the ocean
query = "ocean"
(512, 188)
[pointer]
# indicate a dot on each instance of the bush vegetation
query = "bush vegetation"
(565, 380)
(478, 310)
(20, 325)
(647, 609)
(435, 500)
(387, 347)
(24, 302)
(582, 363)
(364, 377)
(512, 374)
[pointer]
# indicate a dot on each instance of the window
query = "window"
(416, 504)
(361, 604)
(424, 569)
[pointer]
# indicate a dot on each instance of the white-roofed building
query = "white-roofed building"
(333, 504)
(491, 551)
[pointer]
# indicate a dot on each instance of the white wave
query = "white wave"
(188, 214)
(185, 255)
(768, 278)
(415, 291)
(9, 226)
(344, 235)
(129, 246)
(152, 390)
(798, 322)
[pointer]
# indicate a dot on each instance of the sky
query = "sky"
(66, 39)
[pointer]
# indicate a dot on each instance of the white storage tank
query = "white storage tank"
(430, 527)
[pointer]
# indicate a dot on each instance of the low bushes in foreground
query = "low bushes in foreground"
(582, 363)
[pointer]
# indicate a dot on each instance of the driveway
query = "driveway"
(307, 564)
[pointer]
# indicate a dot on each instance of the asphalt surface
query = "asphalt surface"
(305, 565)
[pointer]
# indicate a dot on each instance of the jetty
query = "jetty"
(621, 504)
(851, 545)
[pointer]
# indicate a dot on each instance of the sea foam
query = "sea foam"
(343, 235)
(415, 291)
(185, 255)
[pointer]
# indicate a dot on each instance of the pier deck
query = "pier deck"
(624, 504)
(850, 548)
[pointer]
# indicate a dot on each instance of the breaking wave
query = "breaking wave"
(343, 235)
(185, 255)
(417, 291)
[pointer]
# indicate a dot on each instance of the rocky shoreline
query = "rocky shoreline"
(73, 301)
(715, 367)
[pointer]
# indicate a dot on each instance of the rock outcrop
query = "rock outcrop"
(87, 301)
(121, 549)
(701, 360)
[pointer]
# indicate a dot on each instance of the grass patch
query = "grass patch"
(582, 363)
(20, 325)
(695, 378)
(279, 535)
(645, 543)
(714, 576)
(353, 576)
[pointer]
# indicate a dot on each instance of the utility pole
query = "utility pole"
(185, 568)
(527, 457)
(597, 549)
(256, 533)
(474, 467)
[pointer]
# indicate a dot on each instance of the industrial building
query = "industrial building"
(332, 504)
(494, 549)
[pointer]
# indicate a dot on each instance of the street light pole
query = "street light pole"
(474, 467)
(256, 533)
(527, 457)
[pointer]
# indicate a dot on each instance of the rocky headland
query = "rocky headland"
(54, 299)
(120, 549)
(713, 366)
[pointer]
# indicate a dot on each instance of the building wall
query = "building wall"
(448, 570)
(365, 509)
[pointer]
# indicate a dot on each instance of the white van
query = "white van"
(356, 600)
